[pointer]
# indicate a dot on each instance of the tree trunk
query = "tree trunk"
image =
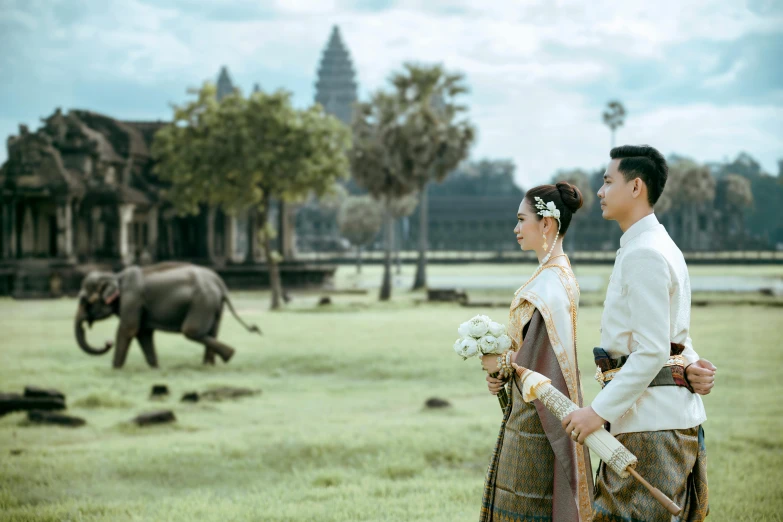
(421, 266)
(398, 243)
(252, 236)
(211, 235)
(386, 285)
(274, 271)
(358, 259)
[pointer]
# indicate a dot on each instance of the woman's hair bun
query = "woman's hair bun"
(570, 195)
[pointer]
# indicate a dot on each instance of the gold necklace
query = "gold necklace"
(572, 301)
(538, 271)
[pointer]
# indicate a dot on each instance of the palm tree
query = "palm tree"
(614, 116)
(437, 140)
(379, 163)
(402, 208)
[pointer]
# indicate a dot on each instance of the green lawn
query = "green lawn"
(339, 432)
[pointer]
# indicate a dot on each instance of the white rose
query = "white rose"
(458, 346)
(488, 344)
(469, 347)
(551, 206)
(464, 329)
(497, 329)
(504, 342)
(478, 326)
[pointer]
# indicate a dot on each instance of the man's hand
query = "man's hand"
(701, 376)
(494, 385)
(581, 423)
(489, 363)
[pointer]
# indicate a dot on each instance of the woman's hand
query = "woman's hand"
(489, 363)
(494, 385)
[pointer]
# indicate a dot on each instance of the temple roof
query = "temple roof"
(82, 153)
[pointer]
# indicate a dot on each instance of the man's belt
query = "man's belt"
(672, 373)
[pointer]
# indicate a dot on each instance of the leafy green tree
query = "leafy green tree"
(690, 189)
(764, 219)
(243, 153)
(733, 197)
(360, 219)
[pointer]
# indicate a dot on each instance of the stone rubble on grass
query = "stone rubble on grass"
(159, 391)
(50, 417)
(435, 402)
(34, 398)
(228, 392)
(154, 417)
(190, 397)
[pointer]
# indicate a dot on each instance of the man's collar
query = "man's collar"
(643, 225)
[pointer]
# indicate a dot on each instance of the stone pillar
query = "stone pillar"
(13, 237)
(126, 217)
(64, 230)
(152, 233)
(28, 232)
(5, 231)
(96, 232)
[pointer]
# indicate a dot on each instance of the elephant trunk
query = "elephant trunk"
(81, 339)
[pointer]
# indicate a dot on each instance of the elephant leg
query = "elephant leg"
(124, 337)
(209, 353)
(148, 347)
(198, 327)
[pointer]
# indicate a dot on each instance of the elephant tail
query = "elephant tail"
(250, 328)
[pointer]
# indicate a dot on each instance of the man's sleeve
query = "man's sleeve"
(646, 281)
(689, 353)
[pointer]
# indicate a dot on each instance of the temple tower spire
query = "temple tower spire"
(224, 85)
(336, 87)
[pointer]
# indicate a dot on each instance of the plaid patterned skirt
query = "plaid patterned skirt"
(674, 461)
(520, 478)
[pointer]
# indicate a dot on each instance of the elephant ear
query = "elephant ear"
(110, 292)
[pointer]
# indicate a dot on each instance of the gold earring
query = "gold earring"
(546, 245)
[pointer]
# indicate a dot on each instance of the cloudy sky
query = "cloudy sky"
(702, 78)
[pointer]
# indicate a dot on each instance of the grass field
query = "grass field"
(339, 431)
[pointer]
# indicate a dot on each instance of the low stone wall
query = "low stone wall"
(38, 279)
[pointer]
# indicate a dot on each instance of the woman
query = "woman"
(537, 472)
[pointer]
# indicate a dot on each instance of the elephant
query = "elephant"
(169, 296)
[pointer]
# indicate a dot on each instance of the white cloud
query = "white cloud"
(528, 63)
(727, 77)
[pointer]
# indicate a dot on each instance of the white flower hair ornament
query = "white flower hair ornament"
(548, 210)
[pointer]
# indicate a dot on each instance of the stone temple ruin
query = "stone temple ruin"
(79, 193)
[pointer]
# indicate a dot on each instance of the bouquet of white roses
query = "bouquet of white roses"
(482, 336)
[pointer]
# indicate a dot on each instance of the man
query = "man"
(651, 375)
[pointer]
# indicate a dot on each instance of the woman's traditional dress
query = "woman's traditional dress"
(537, 472)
